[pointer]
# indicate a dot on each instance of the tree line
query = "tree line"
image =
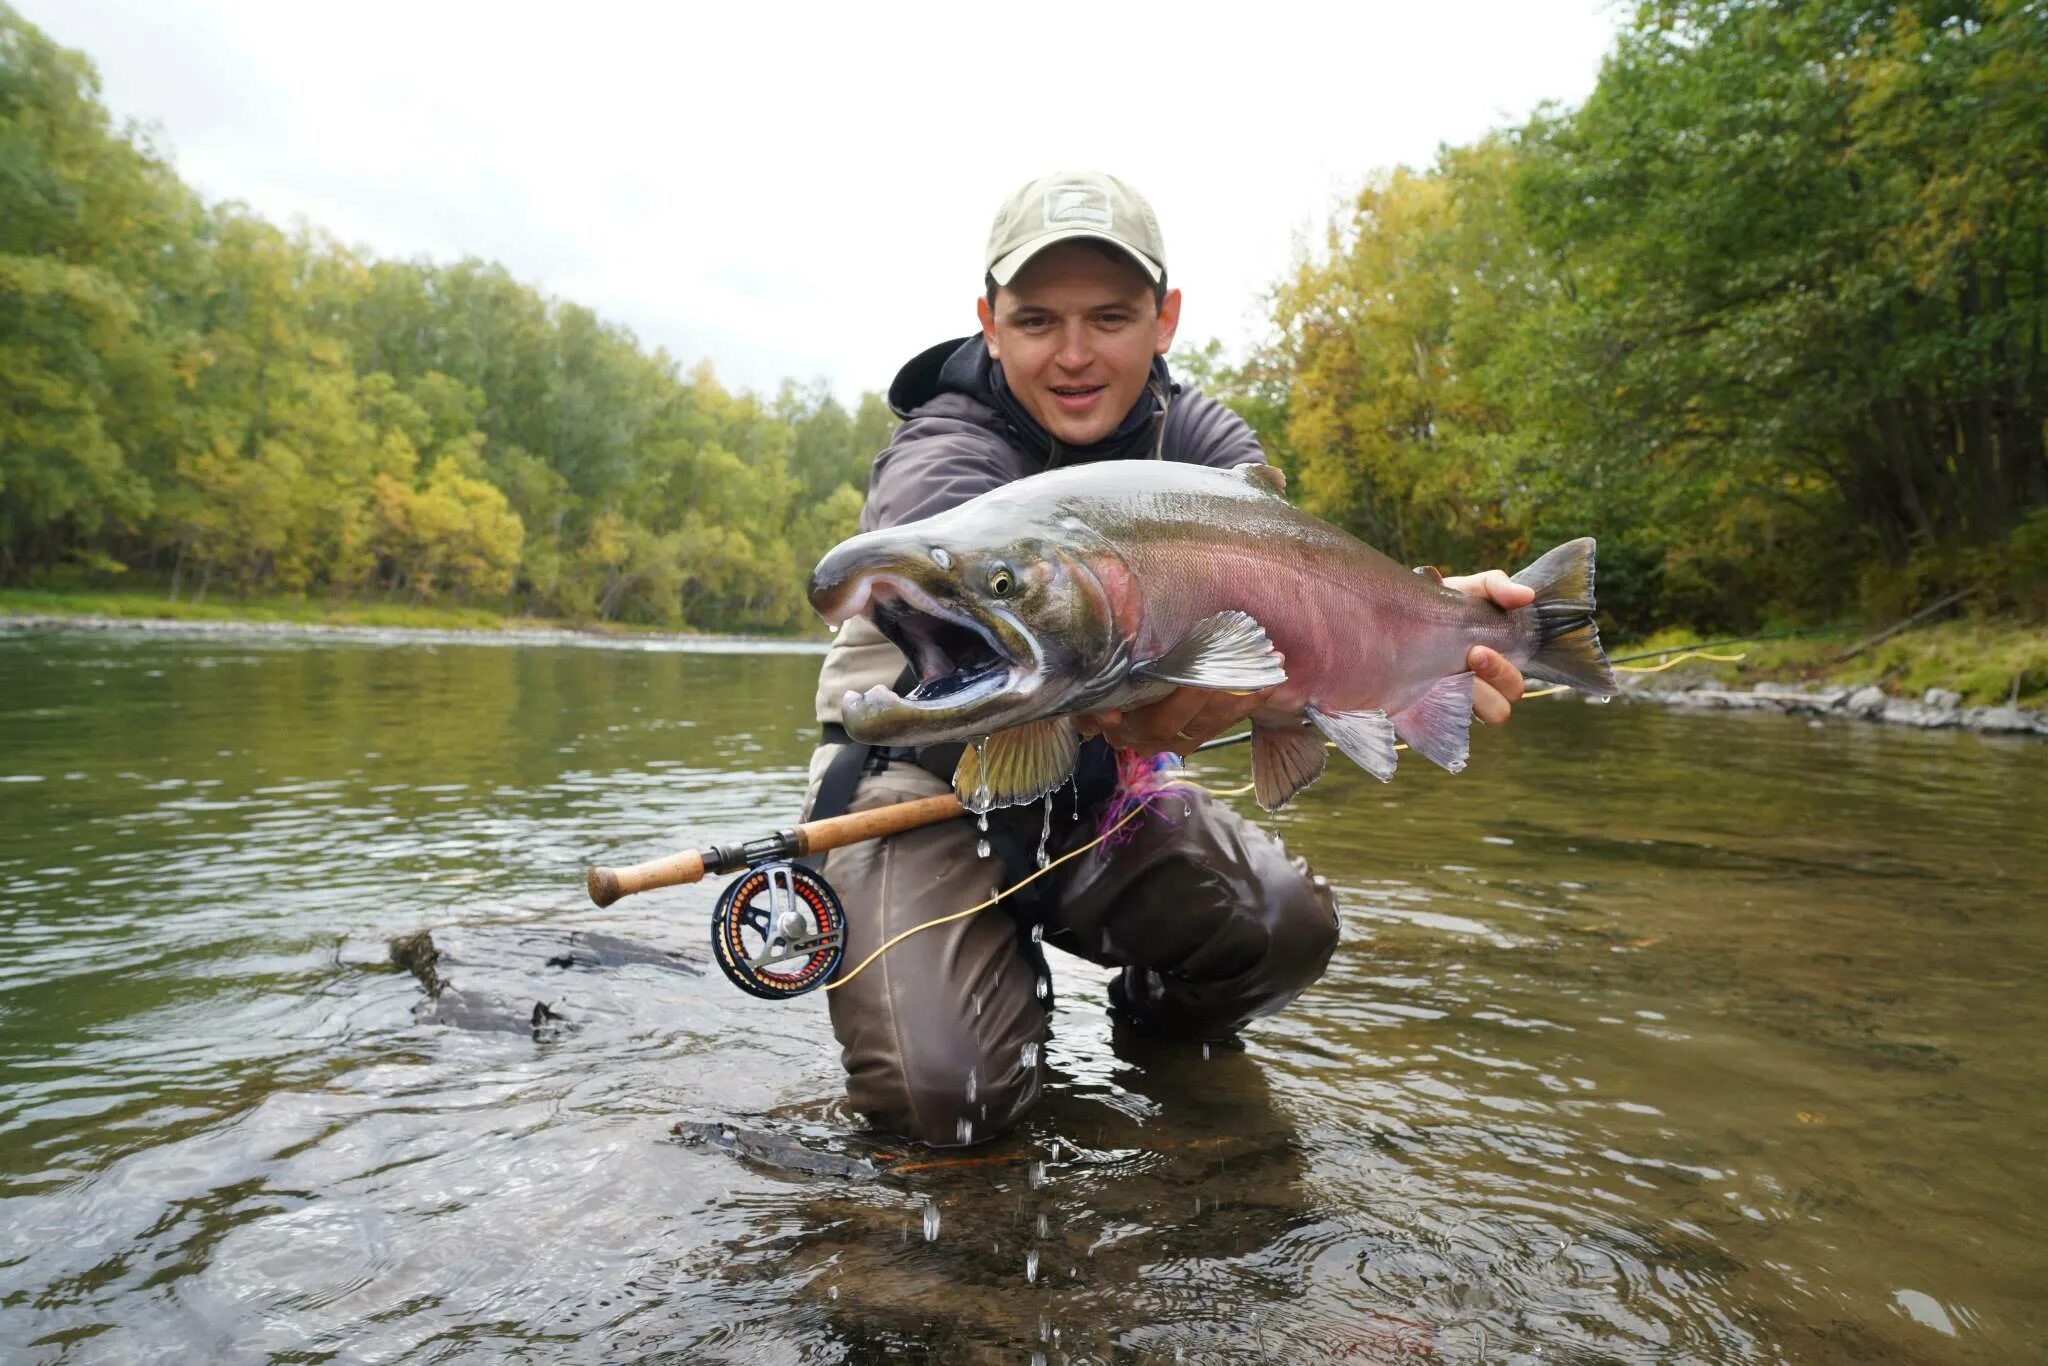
(190, 394)
(1765, 313)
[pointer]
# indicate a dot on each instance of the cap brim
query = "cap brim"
(1006, 267)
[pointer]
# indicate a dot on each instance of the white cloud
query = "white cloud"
(799, 190)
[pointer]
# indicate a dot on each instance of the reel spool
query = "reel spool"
(778, 931)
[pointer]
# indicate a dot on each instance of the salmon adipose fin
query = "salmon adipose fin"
(1285, 759)
(1017, 765)
(1228, 652)
(1438, 725)
(1366, 737)
(1567, 642)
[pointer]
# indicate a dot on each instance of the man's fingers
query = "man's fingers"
(1488, 705)
(1496, 685)
(1495, 586)
(1492, 667)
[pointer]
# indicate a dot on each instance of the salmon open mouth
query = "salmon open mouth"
(957, 659)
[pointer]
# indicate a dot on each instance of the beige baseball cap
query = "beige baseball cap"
(1070, 204)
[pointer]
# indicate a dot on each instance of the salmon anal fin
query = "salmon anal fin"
(1017, 765)
(1366, 737)
(1438, 725)
(1228, 652)
(1285, 759)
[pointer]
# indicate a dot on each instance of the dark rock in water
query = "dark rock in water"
(416, 953)
(774, 1150)
(589, 950)
(458, 1009)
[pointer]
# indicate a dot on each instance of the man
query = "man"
(1209, 921)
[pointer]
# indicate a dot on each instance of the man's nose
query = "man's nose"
(1074, 352)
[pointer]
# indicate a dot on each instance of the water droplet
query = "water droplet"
(1055, 1156)
(834, 629)
(1031, 1266)
(977, 1007)
(931, 1221)
(1028, 1056)
(1043, 987)
(1043, 1230)
(1205, 1052)
(1035, 1174)
(1045, 833)
(981, 822)
(1044, 1328)
(981, 848)
(832, 1292)
(973, 1079)
(1038, 932)
(964, 1130)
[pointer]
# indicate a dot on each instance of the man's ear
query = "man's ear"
(987, 314)
(1169, 323)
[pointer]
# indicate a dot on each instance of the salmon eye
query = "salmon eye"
(1000, 582)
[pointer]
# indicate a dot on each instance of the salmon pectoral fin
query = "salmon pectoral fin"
(1366, 737)
(1438, 725)
(1285, 759)
(1228, 652)
(1017, 765)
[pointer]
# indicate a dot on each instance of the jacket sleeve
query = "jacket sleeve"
(1201, 431)
(933, 462)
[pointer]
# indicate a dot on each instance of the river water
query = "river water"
(1650, 1038)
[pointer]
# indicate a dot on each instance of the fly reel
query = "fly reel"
(778, 931)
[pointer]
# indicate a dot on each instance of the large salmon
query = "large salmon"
(1108, 585)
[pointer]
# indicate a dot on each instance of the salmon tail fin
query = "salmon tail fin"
(1567, 643)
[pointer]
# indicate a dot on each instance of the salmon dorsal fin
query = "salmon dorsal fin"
(1017, 765)
(1228, 652)
(1366, 737)
(1268, 478)
(1438, 725)
(1285, 759)
(1264, 478)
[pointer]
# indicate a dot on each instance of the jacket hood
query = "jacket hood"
(963, 366)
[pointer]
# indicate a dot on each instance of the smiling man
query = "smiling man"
(1207, 921)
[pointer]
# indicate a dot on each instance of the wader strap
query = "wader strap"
(842, 775)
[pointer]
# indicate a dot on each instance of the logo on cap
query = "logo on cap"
(1077, 204)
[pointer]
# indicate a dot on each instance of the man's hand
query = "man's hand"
(1496, 684)
(1177, 722)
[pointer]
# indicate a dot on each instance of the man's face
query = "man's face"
(1076, 331)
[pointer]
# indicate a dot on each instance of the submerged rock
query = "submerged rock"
(773, 1150)
(588, 949)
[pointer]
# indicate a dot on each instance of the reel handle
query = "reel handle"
(607, 885)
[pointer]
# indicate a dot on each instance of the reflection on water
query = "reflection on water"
(1651, 1037)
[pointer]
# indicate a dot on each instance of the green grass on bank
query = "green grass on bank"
(147, 605)
(1982, 659)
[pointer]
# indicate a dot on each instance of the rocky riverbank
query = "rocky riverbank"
(1937, 709)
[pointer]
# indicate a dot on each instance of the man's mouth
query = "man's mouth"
(1076, 398)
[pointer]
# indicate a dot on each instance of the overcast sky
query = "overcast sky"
(805, 191)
